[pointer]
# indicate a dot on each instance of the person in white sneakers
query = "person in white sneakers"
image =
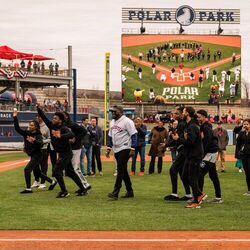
(44, 162)
(76, 144)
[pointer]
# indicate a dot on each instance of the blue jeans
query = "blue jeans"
(88, 153)
(141, 151)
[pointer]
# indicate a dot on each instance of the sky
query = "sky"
(94, 27)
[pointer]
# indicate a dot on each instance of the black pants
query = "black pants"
(210, 168)
(96, 154)
(152, 165)
(64, 163)
(33, 165)
(53, 157)
(246, 166)
(177, 168)
(190, 173)
(122, 158)
(43, 166)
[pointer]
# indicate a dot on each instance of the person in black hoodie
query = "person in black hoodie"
(33, 142)
(60, 136)
(177, 166)
(97, 144)
(193, 151)
(76, 144)
(243, 145)
(211, 148)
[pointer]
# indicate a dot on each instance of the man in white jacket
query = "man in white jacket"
(122, 138)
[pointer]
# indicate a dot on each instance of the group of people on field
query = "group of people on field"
(194, 147)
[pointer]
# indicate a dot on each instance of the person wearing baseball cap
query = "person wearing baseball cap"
(122, 138)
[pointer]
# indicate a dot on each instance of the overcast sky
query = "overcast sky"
(93, 28)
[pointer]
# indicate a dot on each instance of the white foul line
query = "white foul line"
(123, 240)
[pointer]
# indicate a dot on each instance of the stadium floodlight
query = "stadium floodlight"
(220, 30)
(142, 29)
(181, 30)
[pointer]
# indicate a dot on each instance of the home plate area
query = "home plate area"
(178, 78)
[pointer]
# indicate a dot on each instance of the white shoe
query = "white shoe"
(42, 186)
(240, 171)
(247, 193)
(100, 173)
(36, 184)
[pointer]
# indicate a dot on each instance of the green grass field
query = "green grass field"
(12, 156)
(149, 81)
(227, 51)
(147, 211)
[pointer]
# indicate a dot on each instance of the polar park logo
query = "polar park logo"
(185, 15)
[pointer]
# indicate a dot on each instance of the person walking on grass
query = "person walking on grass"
(158, 137)
(211, 148)
(45, 155)
(236, 131)
(193, 151)
(33, 142)
(86, 147)
(140, 148)
(122, 137)
(243, 145)
(223, 139)
(177, 166)
(60, 139)
(97, 145)
(76, 144)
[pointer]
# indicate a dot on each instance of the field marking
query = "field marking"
(13, 164)
(122, 240)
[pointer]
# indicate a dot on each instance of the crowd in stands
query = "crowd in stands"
(34, 67)
(50, 105)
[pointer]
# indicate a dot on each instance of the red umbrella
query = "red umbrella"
(11, 54)
(37, 58)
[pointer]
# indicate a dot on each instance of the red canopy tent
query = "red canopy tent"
(11, 54)
(37, 58)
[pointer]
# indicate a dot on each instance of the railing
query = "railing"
(31, 71)
(32, 107)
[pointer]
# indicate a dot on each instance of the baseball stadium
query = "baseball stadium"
(138, 140)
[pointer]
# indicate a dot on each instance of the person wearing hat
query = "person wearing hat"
(60, 139)
(122, 138)
(223, 139)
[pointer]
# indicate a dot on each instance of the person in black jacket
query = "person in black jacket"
(211, 148)
(177, 166)
(60, 136)
(140, 148)
(236, 132)
(243, 144)
(97, 144)
(33, 142)
(193, 151)
(86, 147)
(76, 144)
